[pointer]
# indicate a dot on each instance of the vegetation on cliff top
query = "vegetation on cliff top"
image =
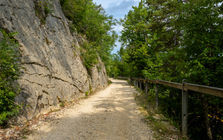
(91, 21)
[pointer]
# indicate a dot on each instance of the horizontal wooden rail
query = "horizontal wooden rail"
(185, 87)
(205, 89)
(171, 84)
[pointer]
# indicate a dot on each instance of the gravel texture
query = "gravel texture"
(111, 114)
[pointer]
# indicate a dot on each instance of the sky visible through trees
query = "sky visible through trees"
(118, 9)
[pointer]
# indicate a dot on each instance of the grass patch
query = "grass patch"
(86, 93)
(62, 104)
(162, 126)
(109, 82)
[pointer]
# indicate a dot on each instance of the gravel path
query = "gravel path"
(111, 114)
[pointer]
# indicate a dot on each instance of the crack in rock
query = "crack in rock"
(57, 78)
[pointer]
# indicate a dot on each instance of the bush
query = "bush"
(9, 72)
(89, 56)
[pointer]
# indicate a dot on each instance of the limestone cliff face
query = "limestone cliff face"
(52, 67)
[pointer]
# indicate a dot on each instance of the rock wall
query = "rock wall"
(52, 68)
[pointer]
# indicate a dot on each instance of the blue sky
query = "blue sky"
(118, 9)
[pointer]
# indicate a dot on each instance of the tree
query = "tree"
(171, 40)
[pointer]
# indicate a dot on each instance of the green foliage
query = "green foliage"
(62, 104)
(109, 82)
(158, 122)
(89, 56)
(91, 21)
(86, 93)
(172, 40)
(9, 72)
(117, 67)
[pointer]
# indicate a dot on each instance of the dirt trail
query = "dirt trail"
(111, 114)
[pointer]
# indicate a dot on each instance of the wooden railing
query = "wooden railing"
(185, 87)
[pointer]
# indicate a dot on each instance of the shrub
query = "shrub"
(9, 72)
(86, 93)
(89, 56)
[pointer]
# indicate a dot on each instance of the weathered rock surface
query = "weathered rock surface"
(52, 68)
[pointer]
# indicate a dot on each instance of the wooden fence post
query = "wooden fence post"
(140, 85)
(146, 87)
(184, 110)
(157, 96)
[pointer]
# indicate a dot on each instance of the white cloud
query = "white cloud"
(114, 3)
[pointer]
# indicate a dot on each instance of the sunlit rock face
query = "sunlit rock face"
(52, 67)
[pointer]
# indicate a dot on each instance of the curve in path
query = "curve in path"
(111, 114)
